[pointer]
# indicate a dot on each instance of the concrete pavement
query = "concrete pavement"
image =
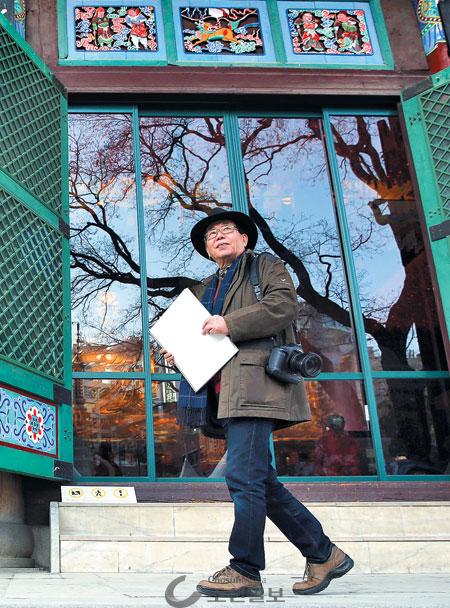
(40, 589)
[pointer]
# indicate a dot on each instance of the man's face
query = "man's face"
(224, 248)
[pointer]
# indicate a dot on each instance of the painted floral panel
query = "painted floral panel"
(115, 28)
(332, 32)
(27, 424)
(230, 30)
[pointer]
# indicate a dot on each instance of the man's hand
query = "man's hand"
(168, 357)
(215, 325)
(376, 202)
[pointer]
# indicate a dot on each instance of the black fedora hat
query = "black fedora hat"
(245, 224)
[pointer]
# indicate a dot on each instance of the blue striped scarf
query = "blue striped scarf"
(192, 406)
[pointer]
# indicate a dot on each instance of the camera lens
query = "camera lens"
(308, 365)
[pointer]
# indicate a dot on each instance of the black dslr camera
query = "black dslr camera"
(289, 363)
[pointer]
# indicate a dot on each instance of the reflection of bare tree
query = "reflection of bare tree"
(177, 157)
(101, 183)
(385, 170)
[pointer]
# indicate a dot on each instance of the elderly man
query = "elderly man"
(250, 405)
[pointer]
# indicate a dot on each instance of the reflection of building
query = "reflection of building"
(121, 356)
(334, 342)
(215, 120)
(182, 453)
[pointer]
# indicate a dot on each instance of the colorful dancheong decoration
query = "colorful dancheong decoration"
(20, 11)
(27, 423)
(332, 32)
(115, 28)
(433, 34)
(234, 31)
(430, 24)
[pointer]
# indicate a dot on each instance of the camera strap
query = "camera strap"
(254, 278)
(254, 273)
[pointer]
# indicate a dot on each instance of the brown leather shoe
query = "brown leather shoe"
(318, 576)
(229, 583)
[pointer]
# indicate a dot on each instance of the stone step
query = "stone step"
(174, 537)
(281, 557)
(275, 539)
(207, 520)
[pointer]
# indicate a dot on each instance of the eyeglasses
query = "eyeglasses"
(228, 229)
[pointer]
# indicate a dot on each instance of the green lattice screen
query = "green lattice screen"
(436, 111)
(31, 290)
(426, 109)
(30, 148)
(35, 346)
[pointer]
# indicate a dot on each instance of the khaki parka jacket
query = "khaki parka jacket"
(245, 388)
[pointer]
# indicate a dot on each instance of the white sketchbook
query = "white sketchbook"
(179, 331)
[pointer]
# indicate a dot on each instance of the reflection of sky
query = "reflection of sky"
(295, 195)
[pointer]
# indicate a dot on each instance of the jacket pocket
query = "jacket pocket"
(256, 388)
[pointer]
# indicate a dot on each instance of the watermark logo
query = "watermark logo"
(275, 595)
(170, 595)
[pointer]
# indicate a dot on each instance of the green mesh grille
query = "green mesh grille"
(436, 111)
(30, 121)
(31, 290)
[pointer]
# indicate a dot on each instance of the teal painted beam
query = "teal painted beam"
(63, 48)
(411, 375)
(104, 109)
(235, 164)
(144, 297)
(382, 34)
(28, 381)
(31, 202)
(108, 375)
(361, 111)
(6, 362)
(166, 377)
(18, 461)
(111, 63)
(169, 31)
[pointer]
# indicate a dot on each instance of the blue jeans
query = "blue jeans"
(257, 493)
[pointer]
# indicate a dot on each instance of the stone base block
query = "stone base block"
(193, 537)
(16, 562)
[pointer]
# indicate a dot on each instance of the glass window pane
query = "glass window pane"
(291, 201)
(106, 301)
(182, 452)
(396, 291)
(184, 175)
(414, 420)
(336, 442)
(109, 428)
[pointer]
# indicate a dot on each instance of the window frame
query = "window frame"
(238, 189)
